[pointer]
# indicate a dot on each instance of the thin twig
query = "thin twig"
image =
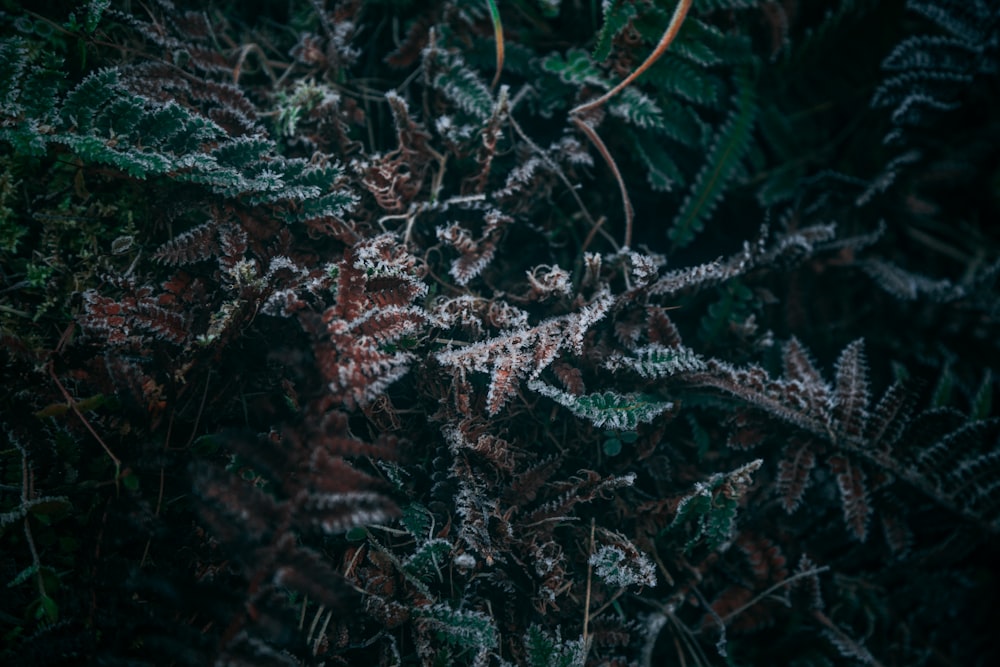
(781, 584)
(76, 410)
(26, 493)
(562, 177)
(498, 37)
(603, 150)
(586, 602)
(668, 36)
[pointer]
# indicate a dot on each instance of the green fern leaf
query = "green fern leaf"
(712, 507)
(676, 76)
(704, 6)
(637, 109)
(697, 42)
(616, 16)
(428, 558)
(546, 650)
(466, 629)
(460, 84)
(607, 409)
(85, 101)
(730, 146)
(29, 84)
(662, 173)
(982, 401)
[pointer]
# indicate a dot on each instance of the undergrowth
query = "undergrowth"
(538, 333)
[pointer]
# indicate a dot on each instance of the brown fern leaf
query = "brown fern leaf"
(508, 371)
(357, 368)
(797, 462)
(133, 315)
(853, 495)
(764, 556)
(334, 475)
(519, 354)
(749, 431)
(165, 324)
(571, 378)
(851, 395)
(388, 324)
(304, 570)
(236, 511)
(798, 365)
(409, 49)
(411, 136)
(808, 585)
(583, 488)
(804, 388)
(890, 417)
(895, 528)
(730, 606)
(526, 485)
(753, 385)
(196, 244)
(474, 253)
(232, 245)
(660, 328)
(350, 289)
(627, 331)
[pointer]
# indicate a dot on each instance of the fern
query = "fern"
(551, 650)
(656, 361)
(449, 74)
(464, 629)
(608, 409)
(712, 507)
(728, 148)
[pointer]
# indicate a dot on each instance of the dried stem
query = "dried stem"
(668, 36)
(603, 150)
(76, 411)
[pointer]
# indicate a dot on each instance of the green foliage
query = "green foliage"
(722, 163)
(607, 409)
(708, 513)
(266, 273)
(449, 74)
(466, 630)
(551, 650)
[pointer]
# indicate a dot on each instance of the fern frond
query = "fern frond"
(888, 419)
(194, 245)
(693, 83)
(525, 353)
(608, 409)
(728, 148)
(851, 394)
(463, 628)
(459, 83)
(712, 506)
(637, 109)
(853, 495)
(333, 513)
(794, 470)
(656, 361)
(544, 649)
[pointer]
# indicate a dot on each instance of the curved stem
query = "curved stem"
(603, 150)
(668, 36)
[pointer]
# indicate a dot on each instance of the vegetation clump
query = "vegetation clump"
(351, 332)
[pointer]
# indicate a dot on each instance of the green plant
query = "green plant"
(499, 333)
